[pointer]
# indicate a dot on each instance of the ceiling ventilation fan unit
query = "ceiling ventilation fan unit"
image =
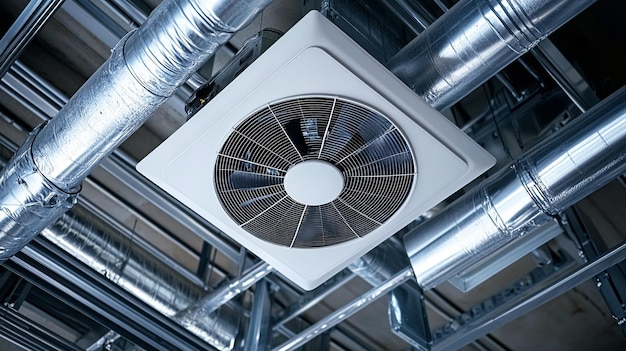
(314, 155)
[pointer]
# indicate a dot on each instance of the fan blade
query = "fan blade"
(373, 127)
(255, 200)
(294, 132)
(384, 146)
(341, 133)
(310, 232)
(240, 180)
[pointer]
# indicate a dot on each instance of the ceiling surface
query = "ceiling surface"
(507, 115)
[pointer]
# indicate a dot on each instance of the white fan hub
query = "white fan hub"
(314, 182)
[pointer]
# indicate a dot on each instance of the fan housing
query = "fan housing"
(314, 155)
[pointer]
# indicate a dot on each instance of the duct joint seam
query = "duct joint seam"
(32, 198)
(512, 24)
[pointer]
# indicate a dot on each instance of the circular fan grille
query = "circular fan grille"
(370, 152)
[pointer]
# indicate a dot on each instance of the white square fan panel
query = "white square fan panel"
(314, 155)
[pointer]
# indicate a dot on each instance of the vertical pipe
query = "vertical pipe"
(259, 329)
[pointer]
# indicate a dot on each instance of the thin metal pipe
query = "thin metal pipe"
(582, 157)
(492, 321)
(257, 336)
(128, 261)
(144, 69)
(565, 75)
(473, 41)
(98, 298)
(346, 311)
(311, 298)
(30, 335)
(23, 30)
(220, 296)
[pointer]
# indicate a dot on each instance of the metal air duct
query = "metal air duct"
(145, 68)
(126, 263)
(133, 265)
(475, 40)
(582, 157)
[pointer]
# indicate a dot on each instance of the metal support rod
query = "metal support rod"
(258, 334)
(490, 322)
(26, 26)
(223, 295)
(346, 311)
(99, 299)
(565, 75)
(104, 341)
(311, 299)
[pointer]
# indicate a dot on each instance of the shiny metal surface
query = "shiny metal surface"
(346, 311)
(258, 334)
(381, 263)
(576, 161)
(45, 101)
(141, 73)
(22, 31)
(473, 41)
(497, 318)
(107, 109)
(128, 261)
(28, 201)
(579, 160)
(488, 267)
(114, 103)
(124, 261)
(179, 36)
(220, 296)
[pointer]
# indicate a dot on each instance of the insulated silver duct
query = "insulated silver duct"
(129, 263)
(195, 313)
(582, 157)
(126, 263)
(122, 260)
(144, 69)
(475, 40)
(381, 263)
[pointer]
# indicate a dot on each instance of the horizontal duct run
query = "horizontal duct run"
(129, 263)
(582, 157)
(473, 41)
(144, 69)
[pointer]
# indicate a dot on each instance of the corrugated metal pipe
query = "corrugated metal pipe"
(475, 40)
(144, 69)
(131, 264)
(555, 174)
(123, 261)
